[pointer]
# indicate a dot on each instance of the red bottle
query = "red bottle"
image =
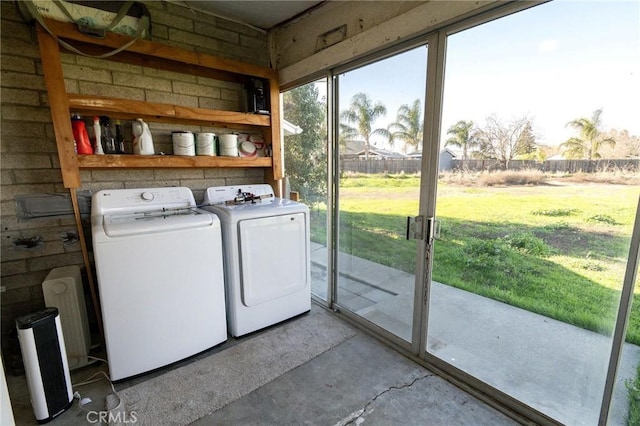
(81, 136)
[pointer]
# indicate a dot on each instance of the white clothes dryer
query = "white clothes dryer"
(266, 255)
(160, 277)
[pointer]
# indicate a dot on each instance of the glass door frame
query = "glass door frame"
(420, 274)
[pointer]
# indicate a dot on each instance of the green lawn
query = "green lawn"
(559, 250)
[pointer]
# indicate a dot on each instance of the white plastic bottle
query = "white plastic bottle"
(142, 140)
(98, 134)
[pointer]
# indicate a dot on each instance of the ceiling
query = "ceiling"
(264, 14)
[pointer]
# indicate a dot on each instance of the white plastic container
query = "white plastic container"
(98, 135)
(183, 143)
(206, 144)
(142, 139)
(228, 145)
(248, 149)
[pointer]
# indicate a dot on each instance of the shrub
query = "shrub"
(512, 177)
(602, 218)
(528, 243)
(558, 226)
(484, 254)
(607, 175)
(556, 212)
(592, 266)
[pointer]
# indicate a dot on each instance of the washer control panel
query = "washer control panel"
(147, 196)
(143, 199)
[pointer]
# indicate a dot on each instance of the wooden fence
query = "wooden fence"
(381, 166)
(552, 166)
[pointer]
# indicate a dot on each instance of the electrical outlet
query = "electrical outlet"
(3, 288)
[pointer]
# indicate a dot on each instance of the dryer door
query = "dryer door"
(273, 257)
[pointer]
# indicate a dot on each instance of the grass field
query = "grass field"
(558, 248)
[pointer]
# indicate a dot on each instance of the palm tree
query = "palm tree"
(408, 125)
(462, 137)
(363, 113)
(591, 139)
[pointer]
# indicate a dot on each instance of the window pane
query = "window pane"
(305, 159)
(534, 214)
(381, 114)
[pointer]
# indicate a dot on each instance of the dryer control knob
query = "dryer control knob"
(147, 196)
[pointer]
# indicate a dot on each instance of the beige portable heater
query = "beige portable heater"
(62, 289)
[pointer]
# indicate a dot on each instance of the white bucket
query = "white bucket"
(228, 141)
(205, 144)
(228, 145)
(229, 152)
(183, 143)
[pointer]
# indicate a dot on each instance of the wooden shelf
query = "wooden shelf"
(167, 161)
(132, 109)
(155, 55)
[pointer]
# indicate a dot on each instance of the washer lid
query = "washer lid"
(135, 223)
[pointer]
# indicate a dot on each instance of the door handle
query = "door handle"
(421, 228)
(415, 227)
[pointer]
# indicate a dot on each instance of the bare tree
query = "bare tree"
(627, 145)
(505, 140)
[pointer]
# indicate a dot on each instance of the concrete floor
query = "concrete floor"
(360, 381)
(554, 367)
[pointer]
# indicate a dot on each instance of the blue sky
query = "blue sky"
(553, 63)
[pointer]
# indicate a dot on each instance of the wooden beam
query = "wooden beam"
(59, 105)
(87, 264)
(276, 135)
(112, 40)
(276, 184)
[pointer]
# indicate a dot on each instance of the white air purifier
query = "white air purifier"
(45, 363)
(63, 290)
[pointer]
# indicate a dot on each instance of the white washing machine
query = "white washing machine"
(160, 277)
(266, 254)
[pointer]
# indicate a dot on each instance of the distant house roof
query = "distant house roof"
(354, 146)
(455, 153)
(382, 153)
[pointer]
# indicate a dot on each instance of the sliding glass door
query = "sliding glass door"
(535, 206)
(480, 203)
(380, 115)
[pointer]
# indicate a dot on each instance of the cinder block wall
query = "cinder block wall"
(29, 161)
